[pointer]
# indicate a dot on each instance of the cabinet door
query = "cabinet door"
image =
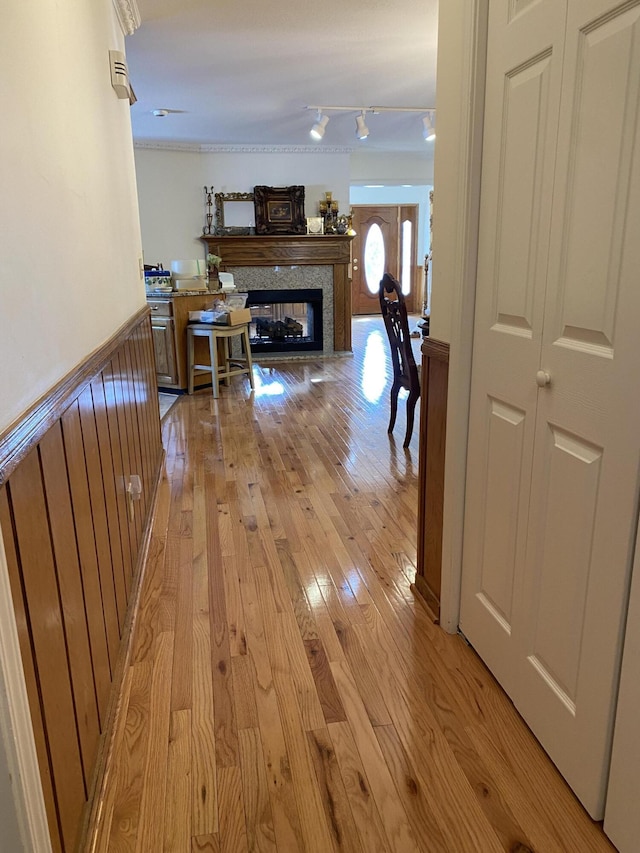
(164, 346)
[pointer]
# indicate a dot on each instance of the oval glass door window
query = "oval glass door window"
(374, 258)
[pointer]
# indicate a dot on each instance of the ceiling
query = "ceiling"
(240, 73)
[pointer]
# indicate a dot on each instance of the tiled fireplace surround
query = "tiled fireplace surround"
(293, 278)
(292, 263)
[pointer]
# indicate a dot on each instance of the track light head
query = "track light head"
(317, 131)
(362, 131)
(428, 131)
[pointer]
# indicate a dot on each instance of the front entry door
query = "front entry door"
(554, 431)
(385, 241)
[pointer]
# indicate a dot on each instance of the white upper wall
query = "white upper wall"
(171, 189)
(394, 169)
(69, 225)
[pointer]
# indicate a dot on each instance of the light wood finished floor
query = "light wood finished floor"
(288, 691)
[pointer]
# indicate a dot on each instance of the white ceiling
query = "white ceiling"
(241, 73)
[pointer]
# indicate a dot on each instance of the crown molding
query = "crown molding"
(128, 15)
(160, 145)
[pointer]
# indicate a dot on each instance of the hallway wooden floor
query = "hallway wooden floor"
(287, 690)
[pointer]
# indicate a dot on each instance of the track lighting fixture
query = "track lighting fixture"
(362, 131)
(317, 131)
(428, 130)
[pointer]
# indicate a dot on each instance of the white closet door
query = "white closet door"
(554, 448)
(572, 601)
(524, 65)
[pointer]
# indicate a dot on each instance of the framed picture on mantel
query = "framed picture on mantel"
(279, 210)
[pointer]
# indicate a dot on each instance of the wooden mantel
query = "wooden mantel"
(291, 250)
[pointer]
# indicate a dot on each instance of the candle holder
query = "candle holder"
(328, 209)
(208, 203)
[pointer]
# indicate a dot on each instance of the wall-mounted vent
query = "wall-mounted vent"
(120, 74)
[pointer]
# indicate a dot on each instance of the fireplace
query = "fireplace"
(286, 320)
(296, 262)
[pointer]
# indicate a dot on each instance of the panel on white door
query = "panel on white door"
(525, 107)
(503, 466)
(597, 191)
(563, 558)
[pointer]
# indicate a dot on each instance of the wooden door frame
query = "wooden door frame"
(462, 49)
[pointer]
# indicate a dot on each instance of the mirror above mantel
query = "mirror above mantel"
(234, 214)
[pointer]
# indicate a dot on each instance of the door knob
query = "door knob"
(543, 378)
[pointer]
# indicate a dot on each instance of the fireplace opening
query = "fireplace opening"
(286, 320)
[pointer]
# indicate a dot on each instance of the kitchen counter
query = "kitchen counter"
(154, 294)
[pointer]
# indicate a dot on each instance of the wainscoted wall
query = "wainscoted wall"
(74, 538)
(433, 424)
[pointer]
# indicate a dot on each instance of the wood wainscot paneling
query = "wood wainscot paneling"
(433, 420)
(74, 540)
(289, 250)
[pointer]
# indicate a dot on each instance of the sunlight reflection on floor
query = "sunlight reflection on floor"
(375, 366)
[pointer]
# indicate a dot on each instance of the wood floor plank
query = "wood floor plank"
(129, 775)
(313, 824)
(301, 675)
(152, 802)
(334, 796)
(177, 831)
(414, 798)
(244, 698)
(233, 835)
(400, 837)
(257, 806)
(302, 610)
(365, 679)
(286, 819)
(225, 728)
(182, 680)
(366, 815)
(204, 799)
(327, 712)
(328, 695)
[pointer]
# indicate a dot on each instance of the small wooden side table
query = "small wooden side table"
(221, 368)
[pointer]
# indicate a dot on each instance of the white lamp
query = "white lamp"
(317, 131)
(362, 131)
(428, 131)
(189, 274)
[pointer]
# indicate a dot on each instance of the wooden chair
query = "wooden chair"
(405, 370)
